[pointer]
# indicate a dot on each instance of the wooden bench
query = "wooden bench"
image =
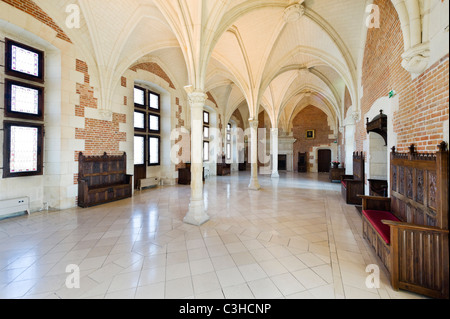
(409, 230)
(223, 168)
(102, 179)
(353, 185)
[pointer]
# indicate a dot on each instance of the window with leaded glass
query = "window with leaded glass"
(23, 145)
(23, 138)
(23, 61)
(24, 100)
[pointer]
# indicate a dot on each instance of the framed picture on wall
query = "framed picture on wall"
(310, 134)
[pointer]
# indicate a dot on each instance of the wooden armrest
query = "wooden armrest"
(347, 177)
(414, 227)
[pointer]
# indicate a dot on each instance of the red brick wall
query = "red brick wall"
(100, 136)
(34, 10)
(155, 69)
(310, 118)
(347, 100)
(423, 101)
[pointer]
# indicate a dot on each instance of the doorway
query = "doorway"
(282, 162)
(324, 161)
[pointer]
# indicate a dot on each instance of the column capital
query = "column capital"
(253, 123)
(196, 98)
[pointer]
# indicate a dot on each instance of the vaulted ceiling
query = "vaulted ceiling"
(274, 54)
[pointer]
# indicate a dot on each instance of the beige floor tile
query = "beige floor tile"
(230, 277)
(287, 284)
(264, 289)
(207, 282)
(296, 239)
(179, 288)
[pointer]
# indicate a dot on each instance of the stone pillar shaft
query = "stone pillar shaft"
(197, 214)
(254, 183)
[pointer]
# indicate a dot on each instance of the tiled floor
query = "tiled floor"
(295, 238)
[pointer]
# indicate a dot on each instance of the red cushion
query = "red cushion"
(344, 183)
(375, 217)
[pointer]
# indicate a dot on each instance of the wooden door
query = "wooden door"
(324, 161)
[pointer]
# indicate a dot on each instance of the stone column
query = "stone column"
(254, 183)
(197, 214)
(274, 145)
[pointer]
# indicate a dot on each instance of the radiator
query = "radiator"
(148, 182)
(14, 206)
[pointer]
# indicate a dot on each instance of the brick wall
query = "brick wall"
(423, 101)
(347, 100)
(310, 118)
(155, 69)
(100, 136)
(34, 10)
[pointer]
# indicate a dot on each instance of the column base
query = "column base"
(196, 215)
(254, 185)
(275, 175)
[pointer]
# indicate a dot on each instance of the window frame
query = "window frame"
(158, 131)
(159, 150)
(7, 149)
(9, 113)
(147, 133)
(137, 105)
(138, 129)
(145, 149)
(206, 160)
(151, 109)
(206, 140)
(8, 62)
(228, 148)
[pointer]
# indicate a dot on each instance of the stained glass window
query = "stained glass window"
(154, 101)
(139, 150)
(24, 61)
(228, 151)
(24, 149)
(154, 123)
(139, 96)
(24, 100)
(154, 150)
(139, 120)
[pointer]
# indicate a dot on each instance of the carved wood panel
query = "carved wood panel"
(420, 182)
(402, 180)
(394, 178)
(432, 190)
